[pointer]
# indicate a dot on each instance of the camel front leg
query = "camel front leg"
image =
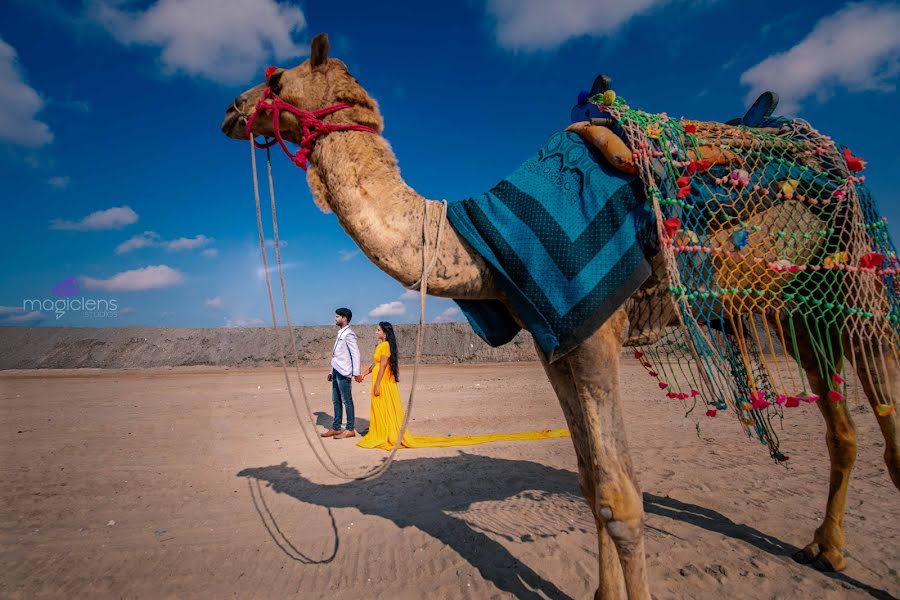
(825, 552)
(586, 382)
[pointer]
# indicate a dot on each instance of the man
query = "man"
(344, 365)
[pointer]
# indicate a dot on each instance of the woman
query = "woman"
(386, 417)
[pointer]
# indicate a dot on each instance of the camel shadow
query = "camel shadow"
(718, 523)
(425, 492)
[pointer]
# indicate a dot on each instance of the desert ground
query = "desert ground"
(198, 482)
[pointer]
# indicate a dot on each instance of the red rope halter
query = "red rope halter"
(310, 121)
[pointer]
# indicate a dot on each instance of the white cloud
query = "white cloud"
(857, 48)
(271, 243)
(126, 311)
(244, 322)
(111, 218)
(214, 302)
(228, 41)
(448, 316)
(347, 255)
(389, 309)
(183, 243)
(59, 182)
(409, 295)
(148, 238)
(17, 315)
(137, 280)
(21, 104)
(25, 317)
(273, 269)
(541, 25)
(151, 238)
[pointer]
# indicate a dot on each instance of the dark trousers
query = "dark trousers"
(341, 396)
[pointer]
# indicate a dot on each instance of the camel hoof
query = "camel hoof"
(821, 564)
(829, 564)
(803, 557)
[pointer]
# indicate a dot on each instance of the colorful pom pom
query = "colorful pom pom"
(884, 410)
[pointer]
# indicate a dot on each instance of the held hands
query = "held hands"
(360, 378)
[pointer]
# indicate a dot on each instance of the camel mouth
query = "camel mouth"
(235, 124)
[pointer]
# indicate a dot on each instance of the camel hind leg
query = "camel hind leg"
(586, 383)
(825, 552)
(878, 370)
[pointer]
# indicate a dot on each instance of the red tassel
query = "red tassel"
(698, 166)
(855, 163)
(872, 260)
(671, 226)
(711, 412)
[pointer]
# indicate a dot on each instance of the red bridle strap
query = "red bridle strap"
(310, 121)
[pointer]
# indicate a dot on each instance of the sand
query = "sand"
(198, 483)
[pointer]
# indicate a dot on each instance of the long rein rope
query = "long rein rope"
(427, 265)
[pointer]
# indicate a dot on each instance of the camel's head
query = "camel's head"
(316, 83)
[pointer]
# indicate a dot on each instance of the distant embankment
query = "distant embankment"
(147, 347)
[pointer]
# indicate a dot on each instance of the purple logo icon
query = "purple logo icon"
(66, 288)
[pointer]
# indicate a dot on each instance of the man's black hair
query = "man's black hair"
(344, 312)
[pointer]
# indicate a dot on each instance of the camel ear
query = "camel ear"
(319, 48)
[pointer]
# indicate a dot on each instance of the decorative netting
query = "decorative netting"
(775, 256)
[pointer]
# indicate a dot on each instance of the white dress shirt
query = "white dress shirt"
(345, 354)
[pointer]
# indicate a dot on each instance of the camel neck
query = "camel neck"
(362, 184)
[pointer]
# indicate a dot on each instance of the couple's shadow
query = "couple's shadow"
(325, 421)
(423, 492)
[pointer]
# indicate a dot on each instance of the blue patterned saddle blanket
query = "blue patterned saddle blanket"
(568, 239)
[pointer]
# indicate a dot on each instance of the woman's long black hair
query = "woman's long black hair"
(391, 338)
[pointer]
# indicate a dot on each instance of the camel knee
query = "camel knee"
(624, 523)
(629, 531)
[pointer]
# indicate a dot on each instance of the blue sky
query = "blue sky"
(115, 172)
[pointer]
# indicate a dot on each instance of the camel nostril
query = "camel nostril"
(237, 103)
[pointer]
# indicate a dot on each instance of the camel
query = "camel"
(355, 175)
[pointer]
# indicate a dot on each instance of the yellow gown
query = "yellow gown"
(386, 419)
